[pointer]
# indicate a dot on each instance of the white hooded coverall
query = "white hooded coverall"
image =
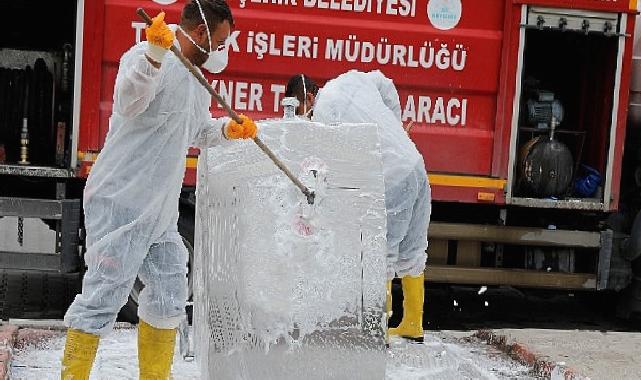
(357, 97)
(131, 196)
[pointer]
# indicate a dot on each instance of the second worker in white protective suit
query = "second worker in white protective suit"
(357, 97)
(131, 196)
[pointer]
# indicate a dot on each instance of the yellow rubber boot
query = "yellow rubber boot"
(80, 352)
(412, 323)
(155, 351)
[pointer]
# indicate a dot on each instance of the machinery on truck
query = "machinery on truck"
(522, 110)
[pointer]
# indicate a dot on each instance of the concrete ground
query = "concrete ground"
(593, 354)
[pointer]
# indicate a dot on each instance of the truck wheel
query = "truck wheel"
(129, 312)
(629, 307)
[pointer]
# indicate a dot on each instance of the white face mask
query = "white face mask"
(217, 60)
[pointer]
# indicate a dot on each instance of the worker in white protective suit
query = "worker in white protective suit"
(131, 196)
(356, 97)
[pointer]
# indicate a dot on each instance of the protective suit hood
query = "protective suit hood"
(357, 97)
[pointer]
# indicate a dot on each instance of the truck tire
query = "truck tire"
(129, 312)
(629, 307)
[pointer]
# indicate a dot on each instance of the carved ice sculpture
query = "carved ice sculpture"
(287, 290)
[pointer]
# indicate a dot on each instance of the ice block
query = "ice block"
(284, 289)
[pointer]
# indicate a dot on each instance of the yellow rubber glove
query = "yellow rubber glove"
(160, 38)
(244, 130)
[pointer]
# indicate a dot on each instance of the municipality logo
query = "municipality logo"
(444, 14)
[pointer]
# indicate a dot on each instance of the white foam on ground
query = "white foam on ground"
(442, 356)
(117, 358)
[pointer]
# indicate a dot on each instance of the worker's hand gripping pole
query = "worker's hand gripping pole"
(201, 78)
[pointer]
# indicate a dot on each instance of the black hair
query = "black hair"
(295, 87)
(216, 11)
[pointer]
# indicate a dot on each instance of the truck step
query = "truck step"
(34, 294)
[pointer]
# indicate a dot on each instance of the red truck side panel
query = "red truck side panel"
(94, 21)
(457, 85)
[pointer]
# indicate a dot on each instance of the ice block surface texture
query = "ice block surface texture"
(284, 289)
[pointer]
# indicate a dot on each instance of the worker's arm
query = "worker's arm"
(139, 72)
(136, 85)
(211, 134)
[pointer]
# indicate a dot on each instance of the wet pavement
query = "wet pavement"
(443, 355)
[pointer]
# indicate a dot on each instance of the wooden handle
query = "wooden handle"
(232, 114)
(144, 16)
(409, 126)
(309, 194)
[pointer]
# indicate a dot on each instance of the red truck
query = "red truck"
(519, 107)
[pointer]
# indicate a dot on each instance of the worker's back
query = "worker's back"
(357, 97)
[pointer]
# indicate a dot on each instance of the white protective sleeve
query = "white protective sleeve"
(136, 83)
(211, 133)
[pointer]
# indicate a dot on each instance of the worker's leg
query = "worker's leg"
(116, 247)
(112, 267)
(399, 203)
(410, 265)
(106, 285)
(412, 254)
(161, 305)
